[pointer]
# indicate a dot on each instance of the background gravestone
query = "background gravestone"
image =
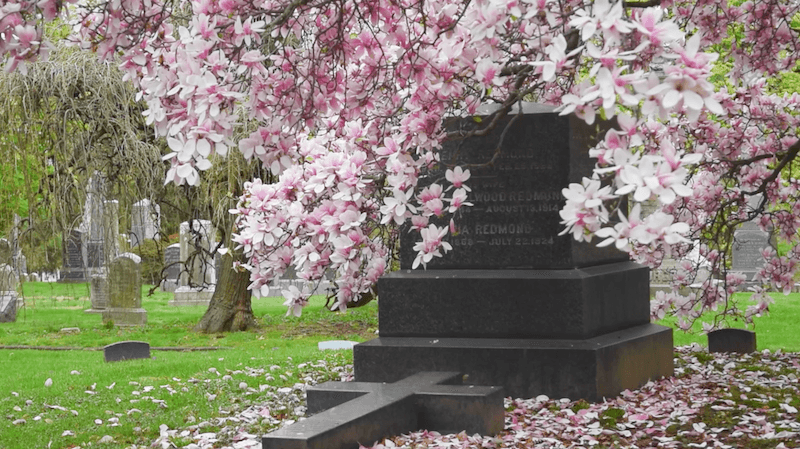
(172, 259)
(99, 288)
(125, 292)
(6, 252)
(748, 241)
(19, 261)
(73, 257)
(196, 282)
(514, 304)
(10, 301)
(93, 223)
(145, 222)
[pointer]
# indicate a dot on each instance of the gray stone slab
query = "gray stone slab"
(126, 350)
(590, 369)
(575, 303)
(125, 292)
(349, 413)
(8, 308)
(514, 221)
(732, 340)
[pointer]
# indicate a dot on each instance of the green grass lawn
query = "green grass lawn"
(90, 398)
(128, 401)
(778, 330)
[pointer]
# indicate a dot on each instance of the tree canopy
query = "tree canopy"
(349, 97)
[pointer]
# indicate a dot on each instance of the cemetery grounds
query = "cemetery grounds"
(226, 390)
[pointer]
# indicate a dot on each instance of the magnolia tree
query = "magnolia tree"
(350, 95)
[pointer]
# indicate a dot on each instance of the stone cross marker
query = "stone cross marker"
(125, 292)
(348, 412)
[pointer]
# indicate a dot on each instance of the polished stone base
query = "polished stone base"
(348, 413)
(592, 369)
(573, 304)
(125, 317)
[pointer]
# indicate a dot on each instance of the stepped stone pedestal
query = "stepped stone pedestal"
(513, 305)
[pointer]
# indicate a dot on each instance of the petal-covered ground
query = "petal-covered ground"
(714, 400)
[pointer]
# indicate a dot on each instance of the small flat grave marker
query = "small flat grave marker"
(126, 350)
(349, 413)
(732, 340)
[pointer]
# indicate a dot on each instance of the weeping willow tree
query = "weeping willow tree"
(71, 116)
(63, 120)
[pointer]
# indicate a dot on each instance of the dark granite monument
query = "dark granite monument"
(514, 304)
(73, 257)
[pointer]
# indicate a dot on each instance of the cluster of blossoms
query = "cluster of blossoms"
(347, 101)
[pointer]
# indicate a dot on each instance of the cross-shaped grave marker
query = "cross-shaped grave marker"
(348, 413)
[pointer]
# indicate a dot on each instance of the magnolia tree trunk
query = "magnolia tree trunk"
(230, 308)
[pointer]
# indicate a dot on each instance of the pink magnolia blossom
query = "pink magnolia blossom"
(345, 104)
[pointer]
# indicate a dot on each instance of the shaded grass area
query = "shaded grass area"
(128, 401)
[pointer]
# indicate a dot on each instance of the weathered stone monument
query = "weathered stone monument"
(99, 288)
(18, 260)
(145, 222)
(197, 278)
(748, 241)
(10, 301)
(172, 262)
(125, 292)
(513, 304)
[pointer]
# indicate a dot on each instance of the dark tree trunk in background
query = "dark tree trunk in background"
(230, 308)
